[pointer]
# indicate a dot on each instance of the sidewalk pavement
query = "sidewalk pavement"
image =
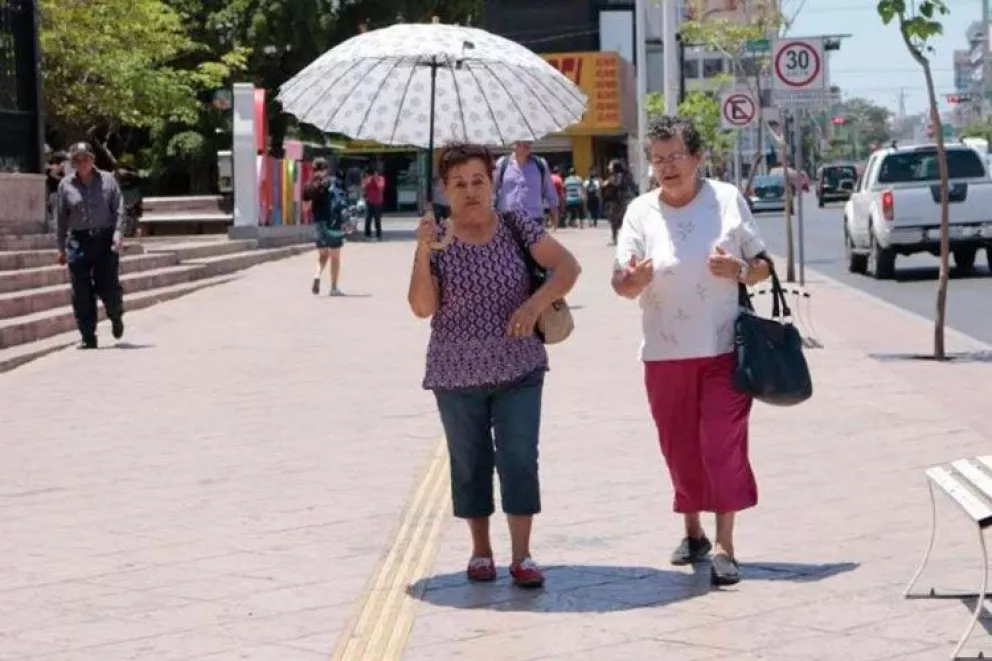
(257, 475)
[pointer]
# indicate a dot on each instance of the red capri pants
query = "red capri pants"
(702, 425)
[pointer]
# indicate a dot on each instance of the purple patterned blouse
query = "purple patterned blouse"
(481, 286)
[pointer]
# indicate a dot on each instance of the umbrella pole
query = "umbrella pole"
(430, 138)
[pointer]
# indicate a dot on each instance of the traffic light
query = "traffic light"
(838, 121)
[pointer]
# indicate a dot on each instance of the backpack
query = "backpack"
(504, 162)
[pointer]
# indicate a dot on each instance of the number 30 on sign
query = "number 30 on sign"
(797, 64)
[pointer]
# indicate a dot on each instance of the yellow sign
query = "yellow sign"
(600, 77)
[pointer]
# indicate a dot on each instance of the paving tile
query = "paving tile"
(236, 506)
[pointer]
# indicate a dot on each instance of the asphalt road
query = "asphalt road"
(969, 301)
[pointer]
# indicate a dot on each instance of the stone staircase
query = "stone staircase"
(35, 313)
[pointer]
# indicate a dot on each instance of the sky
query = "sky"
(873, 63)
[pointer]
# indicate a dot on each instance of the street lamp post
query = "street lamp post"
(639, 160)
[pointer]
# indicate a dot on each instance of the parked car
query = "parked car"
(895, 209)
(767, 193)
(835, 183)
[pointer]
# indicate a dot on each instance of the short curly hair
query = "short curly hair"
(459, 153)
(669, 127)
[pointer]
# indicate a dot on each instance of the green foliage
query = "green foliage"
(918, 22)
(110, 61)
(979, 129)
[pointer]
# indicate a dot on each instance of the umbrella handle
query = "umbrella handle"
(447, 237)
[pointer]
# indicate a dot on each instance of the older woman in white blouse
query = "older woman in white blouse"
(682, 251)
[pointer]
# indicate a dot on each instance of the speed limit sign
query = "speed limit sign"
(797, 65)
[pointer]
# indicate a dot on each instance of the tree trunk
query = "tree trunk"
(790, 250)
(939, 350)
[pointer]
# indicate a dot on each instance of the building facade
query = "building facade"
(21, 112)
(592, 43)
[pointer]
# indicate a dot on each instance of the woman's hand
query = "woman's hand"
(523, 320)
(724, 265)
(426, 232)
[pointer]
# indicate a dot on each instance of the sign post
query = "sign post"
(798, 141)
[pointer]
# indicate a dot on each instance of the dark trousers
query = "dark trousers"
(373, 212)
(594, 209)
(94, 272)
(489, 428)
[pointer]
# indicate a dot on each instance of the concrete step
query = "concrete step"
(188, 205)
(49, 276)
(202, 249)
(34, 301)
(27, 242)
(54, 330)
(228, 263)
(13, 260)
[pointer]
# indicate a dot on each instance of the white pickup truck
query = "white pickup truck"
(895, 208)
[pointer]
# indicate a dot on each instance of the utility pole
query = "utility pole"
(670, 38)
(902, 104)
(640, 159)
(985, 54)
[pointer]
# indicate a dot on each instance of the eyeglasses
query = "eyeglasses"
(671, 159)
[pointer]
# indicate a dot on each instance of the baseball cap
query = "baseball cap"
(80, 150)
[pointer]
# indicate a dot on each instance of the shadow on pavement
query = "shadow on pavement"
(603, 588)
(569, 589)
(133, 345)
(794, 572)
(957, 357)
(924, 273)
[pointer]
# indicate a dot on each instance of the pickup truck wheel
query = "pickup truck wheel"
(856, 262)
(964, 260)
(881, 261)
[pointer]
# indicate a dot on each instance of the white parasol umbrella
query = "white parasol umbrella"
(428, 84)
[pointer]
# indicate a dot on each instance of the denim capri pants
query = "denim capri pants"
(493, 427)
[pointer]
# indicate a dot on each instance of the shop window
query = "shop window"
(712, 67)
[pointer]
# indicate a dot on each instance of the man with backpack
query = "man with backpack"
(522, 184)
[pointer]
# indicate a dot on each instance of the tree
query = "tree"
(865, 123)
(919, 23)
(91, 79)
(730, 37)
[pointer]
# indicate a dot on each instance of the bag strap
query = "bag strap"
(511, 224)
(780, 307)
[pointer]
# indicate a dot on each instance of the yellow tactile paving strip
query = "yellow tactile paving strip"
(384, 616)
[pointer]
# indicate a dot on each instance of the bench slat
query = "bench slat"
(979, 511)
(987, 460)
(979, 478)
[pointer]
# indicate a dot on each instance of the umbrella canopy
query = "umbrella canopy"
(391, 85)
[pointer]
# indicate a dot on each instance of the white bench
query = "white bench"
(968, 482)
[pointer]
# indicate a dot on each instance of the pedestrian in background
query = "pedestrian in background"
(374, 190)
(90, 226)
(618, 191)
(54, 174)
(683, 252)
(523, 185)
(574, 199)
(328, 203)
(485, 364)
(594, 200)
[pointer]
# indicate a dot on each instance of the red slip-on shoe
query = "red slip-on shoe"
(481, 570)
(526, 574)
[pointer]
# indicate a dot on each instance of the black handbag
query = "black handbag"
(770, 365)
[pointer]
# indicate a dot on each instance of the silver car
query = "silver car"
(767, 193)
